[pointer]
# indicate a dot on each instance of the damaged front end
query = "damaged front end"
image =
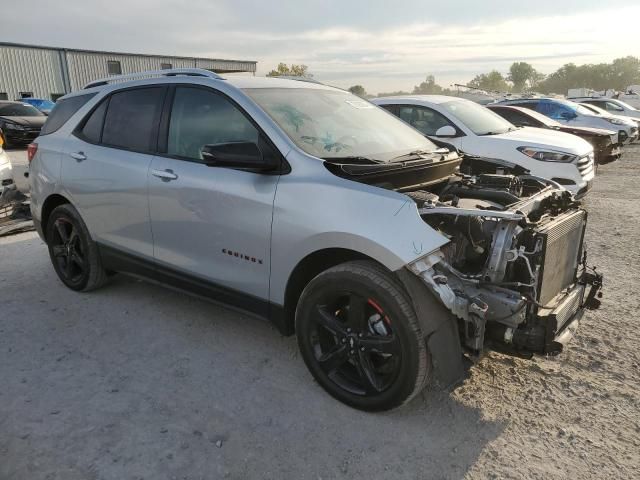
(515, 273)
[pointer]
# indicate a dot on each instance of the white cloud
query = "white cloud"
(381, 46)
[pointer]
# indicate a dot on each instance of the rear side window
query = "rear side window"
(92, 129)
(63, 111)
(132, 119)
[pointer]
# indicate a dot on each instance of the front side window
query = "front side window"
(424, 119)
(480, 120)
(201, 117)
(335, 124)
(132, 117)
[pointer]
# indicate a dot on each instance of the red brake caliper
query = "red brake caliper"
(377, 308)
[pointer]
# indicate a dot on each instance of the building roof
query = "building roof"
(105, 52)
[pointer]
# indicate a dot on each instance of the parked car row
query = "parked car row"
(391, 251)
(479, 131)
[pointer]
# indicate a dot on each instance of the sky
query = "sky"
(384, 46)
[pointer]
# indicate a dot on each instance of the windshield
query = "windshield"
(19, 110)
(336, 124)
(593, 110)
(480, 120)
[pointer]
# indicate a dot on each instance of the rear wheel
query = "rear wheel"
(360, 337)
(73, 253)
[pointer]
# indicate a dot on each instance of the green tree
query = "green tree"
(428, 87)
(618, 75)
(524, 76)
(358, 90)
(492, 81)
(292, 70)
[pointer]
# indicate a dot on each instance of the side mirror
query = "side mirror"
(568, 115)
(240, 155)
(446, 132)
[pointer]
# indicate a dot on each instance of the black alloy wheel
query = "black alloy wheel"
(68, 251)
(354, 343)
(359, 336)
(73, 253)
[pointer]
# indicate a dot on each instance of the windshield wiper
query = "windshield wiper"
(422, 153)
(355, 159)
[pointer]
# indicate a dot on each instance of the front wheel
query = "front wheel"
(360, 338)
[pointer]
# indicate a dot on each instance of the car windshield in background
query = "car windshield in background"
(43, 104)
(480, 120)
(336, 124)
(576, 107)
(19, 110)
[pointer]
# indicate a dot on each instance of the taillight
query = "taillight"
(31, 151)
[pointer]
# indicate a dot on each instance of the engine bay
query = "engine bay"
(514, 272)
(515, 249)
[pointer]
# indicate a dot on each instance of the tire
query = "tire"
(360, 338)
(73, 253)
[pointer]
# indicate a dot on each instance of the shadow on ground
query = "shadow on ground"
(137, 381)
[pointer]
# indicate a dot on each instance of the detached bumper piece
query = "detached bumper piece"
(553, 325)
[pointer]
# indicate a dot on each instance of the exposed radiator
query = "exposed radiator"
(562, 247)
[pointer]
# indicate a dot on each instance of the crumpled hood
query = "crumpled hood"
(541, 137)
(27, 121)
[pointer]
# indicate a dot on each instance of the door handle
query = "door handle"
(79, 156)
(164, 175)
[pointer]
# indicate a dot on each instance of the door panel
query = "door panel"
(214, 223)
(109, 189)
(210, 222)
(106, 164)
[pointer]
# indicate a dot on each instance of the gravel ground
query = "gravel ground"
(136, 381)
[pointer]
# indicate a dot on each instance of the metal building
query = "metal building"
(49, 72)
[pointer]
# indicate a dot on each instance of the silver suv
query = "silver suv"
(317, 210)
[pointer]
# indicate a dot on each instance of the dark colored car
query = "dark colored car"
(606, 143)
(20, 123)
(42, 104)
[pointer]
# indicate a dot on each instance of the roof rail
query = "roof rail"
(299, 79)
(170, 72)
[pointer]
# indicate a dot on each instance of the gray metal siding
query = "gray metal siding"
(86, 67)
(45, 71)
(30, 70)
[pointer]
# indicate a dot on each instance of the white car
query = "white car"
(577, 115)
(476, 130)
(631, 125)
(611, 105)
(6, 174)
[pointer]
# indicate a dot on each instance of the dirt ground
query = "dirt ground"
(138, 382)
